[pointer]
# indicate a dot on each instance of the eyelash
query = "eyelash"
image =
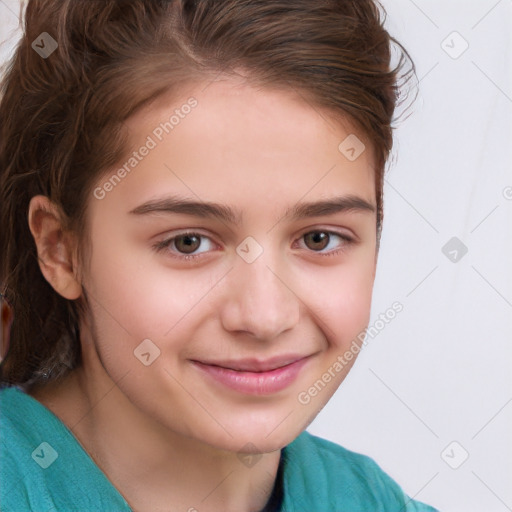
(164, 244)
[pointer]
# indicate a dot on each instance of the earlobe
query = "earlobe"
(54, 247)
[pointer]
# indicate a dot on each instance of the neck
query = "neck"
(153, 467)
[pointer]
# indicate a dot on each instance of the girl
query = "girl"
(191, 213)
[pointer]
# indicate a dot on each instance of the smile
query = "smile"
(254, 377)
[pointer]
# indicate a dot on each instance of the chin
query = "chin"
(263, 437)
(254, 444)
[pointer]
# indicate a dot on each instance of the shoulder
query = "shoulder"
(19, 423)
(322, 473)
(42, 465)
(18, 440)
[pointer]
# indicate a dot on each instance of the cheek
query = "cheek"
(134, 298)
(350, 310)
(340, 298)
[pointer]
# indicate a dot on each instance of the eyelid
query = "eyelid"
(340, 231)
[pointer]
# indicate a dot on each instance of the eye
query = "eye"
(190, 245)
(185, 245)
(320, 240)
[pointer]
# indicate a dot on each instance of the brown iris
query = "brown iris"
(187, 243)
(318, 240)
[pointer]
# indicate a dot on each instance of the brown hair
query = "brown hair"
(61, 117)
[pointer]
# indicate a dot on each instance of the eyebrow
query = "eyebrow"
(204, 209)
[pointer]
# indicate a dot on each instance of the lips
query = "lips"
(252, 376)
(254, 365)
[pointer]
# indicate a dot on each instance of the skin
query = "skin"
(259, 151)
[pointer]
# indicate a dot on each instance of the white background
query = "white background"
(441, 370)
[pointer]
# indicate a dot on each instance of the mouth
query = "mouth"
(252, 376)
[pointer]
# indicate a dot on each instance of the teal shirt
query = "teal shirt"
(43, 468)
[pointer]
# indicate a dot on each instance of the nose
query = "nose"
(259, 301)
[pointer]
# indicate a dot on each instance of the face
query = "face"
(232, 263)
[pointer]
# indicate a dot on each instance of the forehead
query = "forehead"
(224, 104)
(241, 141)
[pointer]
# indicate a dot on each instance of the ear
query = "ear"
(55, 247)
